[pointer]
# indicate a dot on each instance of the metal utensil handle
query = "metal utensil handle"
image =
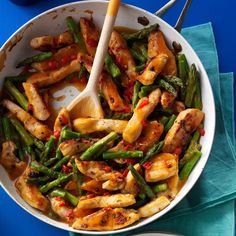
(183, 13)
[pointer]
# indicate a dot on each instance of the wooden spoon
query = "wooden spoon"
(87, 103)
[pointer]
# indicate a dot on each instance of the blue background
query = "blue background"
(13, 219)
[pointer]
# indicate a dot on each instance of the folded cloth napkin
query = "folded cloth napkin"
(217, 184)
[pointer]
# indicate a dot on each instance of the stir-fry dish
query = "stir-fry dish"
(102, 174)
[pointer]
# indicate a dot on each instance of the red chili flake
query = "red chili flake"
(90, 195)
(107, 193)
(73, 57)
(143, 103)
(30, 107)
(127, 146)
(178, 151)
(127, 109)
(65, 60)
(107, 168)
(92, 42)
(129, 161)
(62, 204)
(147, 165)
(201, 131)
(66, 169)
(57, 134)
(125, 172)
(70, 214)
(63, 119)
(83, 80)
(52, 64)
(58, 198)
(144, 123)
(27, 68)
(129, 92)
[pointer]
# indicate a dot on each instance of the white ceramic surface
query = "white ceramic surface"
(53, 22)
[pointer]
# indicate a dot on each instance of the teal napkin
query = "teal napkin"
(217, 185)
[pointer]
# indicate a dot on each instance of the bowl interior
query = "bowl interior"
(17, 47)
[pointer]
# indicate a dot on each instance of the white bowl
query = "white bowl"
(53, 22)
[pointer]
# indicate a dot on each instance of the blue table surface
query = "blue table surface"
(13, 219)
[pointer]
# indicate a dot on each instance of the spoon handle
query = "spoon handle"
(98, 62)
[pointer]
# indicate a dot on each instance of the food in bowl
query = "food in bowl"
(102, 174)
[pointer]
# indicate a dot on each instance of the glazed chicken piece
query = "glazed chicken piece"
(90, 125)
(63, 119)
(164, 165)
(72, 147)
(98, 170)
(178, 107)
(123, 57)
(107, 219)
(185, 124)
(167, 99)
(40, 110)
(93, 186)
(43, 79)
(153, 68)
(30, 193)
(61, 208)
(47, 43)
(144, 108)
(154, 206)
(36, 128)
(10, 162)
(90, 35)
(115, 200)
(61, 58)
(157, 46)
(116, 182)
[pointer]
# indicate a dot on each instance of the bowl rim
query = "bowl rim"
(203, 162)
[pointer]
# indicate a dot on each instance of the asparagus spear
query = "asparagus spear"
(122, 154)
(48, 148)
(19, 78)
(185, 172)
(36, 58)
(135, 99)
(141, 34)
(75, 30)
(111, 66)
(155, 149)
(26, 137)
(78, 177)
(164, 120)
(121, 116)
(191, 86)
(43, 169)
(88, 154)
(38, 143)
(7, 128)
(197, 100)
(68, 134)
(38, 180)
(82, 72)
(65, 194)
(183, 73)
(139, 68)
(175, 81)
(169, 124)
(60, 163)
(167, 86)
(193, 146)
(138, 56)
(141, 182)
(141, 48)
(145, 90)
(20, 98)
(61, 179)
(159, 188)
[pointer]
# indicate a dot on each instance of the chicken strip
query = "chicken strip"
(157, 46)
(90, 35)
(47, 43)
(115, 200)
(93, 186)
(10, 162)
(164, 165)
(116, 182)
(30, 193)
(40, 110)
(36, 128)
(154, 206)
(43, 79)
(154, 67)
(63, 119)
(144, 108)
(122, 55)
(185, 124)
(167, 99)
(107, 219)
(90, 125)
